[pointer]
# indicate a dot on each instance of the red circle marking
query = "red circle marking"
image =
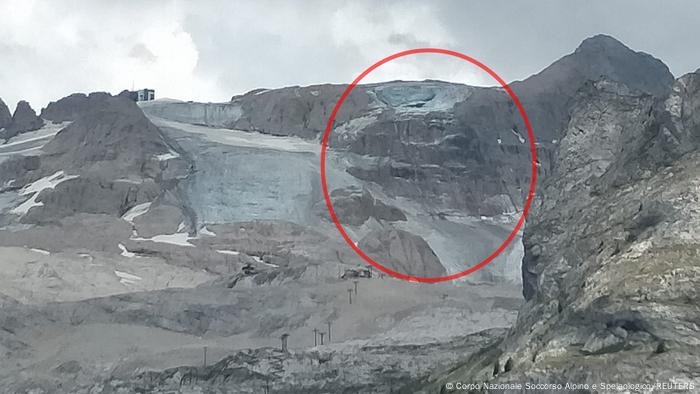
(533, 153)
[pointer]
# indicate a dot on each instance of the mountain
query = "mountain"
(24, 119)
(171, 245)
(610, 267)
(5, 115)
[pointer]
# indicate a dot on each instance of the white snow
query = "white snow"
(42, 251)
(125, 252)
(181, 227)
(354, 126)
(243, 138)
(37, 187)
(517, 134)
(180, 239)
(205, 231)
(167, 156)
(136, 211)
(132, 181)
(231, 252)
(127, 278)
(499, 141)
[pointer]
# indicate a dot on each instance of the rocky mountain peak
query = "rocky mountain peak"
(599, 57)
(5, 115)
(110, 129)
(72, 107)
(601, 42)
(24, 119)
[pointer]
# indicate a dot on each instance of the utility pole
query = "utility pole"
(284, 342)
(321, 334)
(205, 356)
(350, 296)
(315, 336)
(329, 331)
(355, 282)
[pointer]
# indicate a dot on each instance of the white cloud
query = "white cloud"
(211, 50)
(49, 53)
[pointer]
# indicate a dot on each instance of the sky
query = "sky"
(211, 50)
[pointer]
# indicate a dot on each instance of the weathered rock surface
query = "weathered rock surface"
(108, 160)
(354, 207)
(24, 119)
(611, 265)
(5, 115)
(74, 106)
(402, 252)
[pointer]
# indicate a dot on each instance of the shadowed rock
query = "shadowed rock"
(402, 252)
(5, 115)
(24, 119)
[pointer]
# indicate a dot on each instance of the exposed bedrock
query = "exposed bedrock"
(611, 248)
(402, 252)
(109, 159)
(24, 119)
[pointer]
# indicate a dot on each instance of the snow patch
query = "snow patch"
(42, 251)
(168, 156)
(231, 252)
(125, 252)
(205, 231)
(242, 138)
(136, 211)
(180, 239)
(35, 188)
(127, 278)
(517, 134)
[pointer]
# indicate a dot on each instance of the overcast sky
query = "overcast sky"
(211, 50)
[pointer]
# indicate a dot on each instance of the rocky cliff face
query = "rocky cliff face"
(24, 119)
(611, 267)
(5, 116)
(108, 160)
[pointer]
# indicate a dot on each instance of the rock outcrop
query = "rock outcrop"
(354, 207)
(611, 266)
(74, 106)
(24, 119)
(5, 115)
(402, 252)
(109, 159)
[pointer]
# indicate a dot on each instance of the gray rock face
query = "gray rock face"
(402, 252)
(74, 106)
(355, 207)
(611, 248)
(5, 115)
(24, 119)
(111, 156)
